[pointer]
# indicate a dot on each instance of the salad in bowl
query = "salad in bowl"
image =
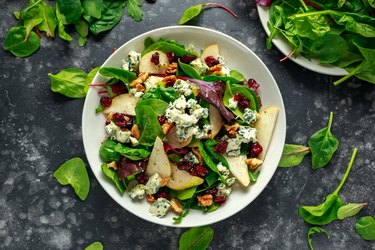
(182, 129)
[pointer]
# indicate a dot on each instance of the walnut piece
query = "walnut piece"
(135, 132)
(253, 163)
(216, 70)
(205, 200)
(142, 77)
(232, 129)
(176, 206)
(151, 198)
(112, 165)
(169, 81)
(197, 154)
(166, 127)
(172, 68)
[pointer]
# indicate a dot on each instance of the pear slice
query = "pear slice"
(145, 65)
(265, 126)
(159, 162)
(124, 103)
(238, 168)
(172, 141)
(211, 50)
(216, 120)
(181, 179)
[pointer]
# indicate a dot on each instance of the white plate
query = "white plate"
(238, 57)
(284, 46)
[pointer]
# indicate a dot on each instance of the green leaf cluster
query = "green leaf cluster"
(196, 238)
(339, 33)
(95, 16)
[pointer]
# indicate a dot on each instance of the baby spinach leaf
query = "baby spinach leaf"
(74, 172)
(196, 238)
(209, 145)
(111, 16)
(93, 8)
(31, 17)
(90, 78)
(212, 78)
(190, 13)
(159, 106)
(113, 176)
(134, 10)
(166, 94)
(95, 246)
(49, 23)
(237, 75)
(293, 155)
(312, 231)
(329, 48)
(189, 70)
(69, 82)
(107, 151)
(17, 43)
(186, 194)
(62, 33)
(148, 124)
(228, 94)
(207, 159)
(120, 74)
(70, 9)
(132, 153)
(323, 145)
(167, 47)
(249, 94)
(82, 28)
(365, 227)
(349, 210)
(327, 211)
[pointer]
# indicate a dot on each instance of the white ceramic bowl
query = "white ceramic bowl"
(238, 57)
(285, 48)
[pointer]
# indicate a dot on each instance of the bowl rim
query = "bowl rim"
(281, 124)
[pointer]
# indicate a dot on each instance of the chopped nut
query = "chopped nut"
(151, 198)
(172, 68)
(142, 77)
(168, 81)
(176, 206)
(253, 163)
(216, 70)
(109, 117)
(197, 154)
(135, 132)
(140, 88)
(205, 200)
(166, 127)
(164, 181)
(112, 165)
(232, 129)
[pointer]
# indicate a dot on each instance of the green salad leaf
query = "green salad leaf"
(365, 227)
(312, 231)
(74, 172)
(69, 82)
(113, 176)
(95, 246)
(134, 9)
(107, 151)
(148, 124)
(196, 238)
(293, 155)
(133, 153)
(349, 210)
(19, 44)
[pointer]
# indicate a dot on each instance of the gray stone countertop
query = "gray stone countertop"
(40, 130)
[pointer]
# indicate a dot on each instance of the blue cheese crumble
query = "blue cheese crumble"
(131, 63)
(184, 87)
(250, 116)
(247, 134)
(185, 115)
(160, 207)
(223, 170)
(232, 103)
(223, 190)
(138, 191)
(234, 146)
(153, 184)
(190, 157)
(199, 66)
(116, 133)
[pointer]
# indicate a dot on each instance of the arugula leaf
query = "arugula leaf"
(323, 145)
(349, 210)
(17, 43)
(69, 82)
(365, 227)
(74, 172)
(312, 231)
(134, 9)
(327, 211)
(113, 176)
(196, 238)
(293, 155)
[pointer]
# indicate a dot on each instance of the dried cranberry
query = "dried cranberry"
(162, 119)
(142, 178)
(155, 58)
(105, 101)
(193, 172)
(118, 88)
(185, 165)
(171, 57)
(252, 84)
(221, 147)
(162, 194)
(237, 97)
(243, 104)
(187, 58)
(220, 199)
(256, 149)
(201, 171)
(122, 120)
(212, 191)
(211, 61)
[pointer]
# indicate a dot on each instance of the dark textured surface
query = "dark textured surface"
(40, 130)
